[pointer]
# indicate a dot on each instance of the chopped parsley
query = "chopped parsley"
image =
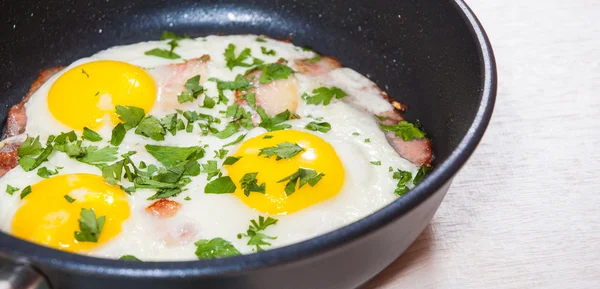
(240, 60)
(250, 184)
(367, 140)
(187, 198)
(318, 126)
(390, 169)
(130, 115)
(276, 122)
(211, 169)
(11, 190)
(90, 227)
(85, 73)
(166, 35)
(355, 134)
(267, 136)
(285, 150)
(69, 199)
(376, 163)
(221, 153)
(150, 127)
(423, 170)
(230, 160)
(44, 172)
(118, 134)
(314, 59)
(26, 191)
(164, 53)
(403, 178)
(324, 95)
(228, 131)
(215, 248)
(259, 39)
(240, 83)
(404, 129)
(194, 89)
(254, 232)
(129, 258)
(266, 51)
(90, 135)
(31, 147)
(171, 155)
(302, 176)
(237, 140)
(274, 71)
(221, 185)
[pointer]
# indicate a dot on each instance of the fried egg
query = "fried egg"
(354, 161)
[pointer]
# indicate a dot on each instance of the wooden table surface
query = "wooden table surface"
(525, 210)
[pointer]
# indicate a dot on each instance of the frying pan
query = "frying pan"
(432, 55)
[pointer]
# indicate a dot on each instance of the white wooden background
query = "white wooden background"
(525, 210)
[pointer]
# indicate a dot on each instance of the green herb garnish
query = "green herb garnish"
(90, 227)
(90, 135)
(318, 126)
(69, 199)
(324, 95)
(26, 191)
(11, 190)
(129, 258)
(285, 150)
(403, 178)
(250, 184)
(221, 185)
(230, 160)
(44, 172)
(423, 170)
(215, 248)
(404, 129)
(302, 176)
(194, 89)
(150, 127)
(266, 51)
(376, 163)
(257, 238)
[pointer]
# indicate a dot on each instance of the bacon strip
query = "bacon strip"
(163, 208)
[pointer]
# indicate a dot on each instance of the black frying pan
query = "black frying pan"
(432, 55)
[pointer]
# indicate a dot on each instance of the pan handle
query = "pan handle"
(20, 276)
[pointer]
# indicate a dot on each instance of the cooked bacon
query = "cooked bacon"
(163, 208)
(274, 97)
(417, 151)
(17, 118)
(170, 79)
(317, 68)
(8, 155)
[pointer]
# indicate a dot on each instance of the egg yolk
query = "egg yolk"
(87, 94)
(317, 155)
(47, 217)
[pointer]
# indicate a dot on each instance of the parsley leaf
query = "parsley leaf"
(222, 185)
(171, 155)
(211, 169)
(259, 39)
(118, 134)
(266, 51)
(26, 191)
(285, 150)
(423, 170)
(257, 238)
(29, 163)
(215, 248)
(376, 163)
(230, 160)
(274, 71)
(237, 140)
(228, 131)
(150, 127)
(166, 35)
(367, 140)
(31, 146)
(94, 156)
(314, 59)
(232, 60)
(129, 258)
(318, 126)
(44, 172)
(11, 190)
(304, 176)
(403, 178)
(194, 89)
(90, 226)
(273, 123)
(221, 153)
(69, 199)
(90, 135)
(324, 95)
(250, 184)
(240, 83)
(130, 115)
(164, 53)
(404, 129)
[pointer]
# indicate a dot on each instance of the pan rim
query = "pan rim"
(27, 252)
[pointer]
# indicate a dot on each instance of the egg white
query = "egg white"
(366, 188)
